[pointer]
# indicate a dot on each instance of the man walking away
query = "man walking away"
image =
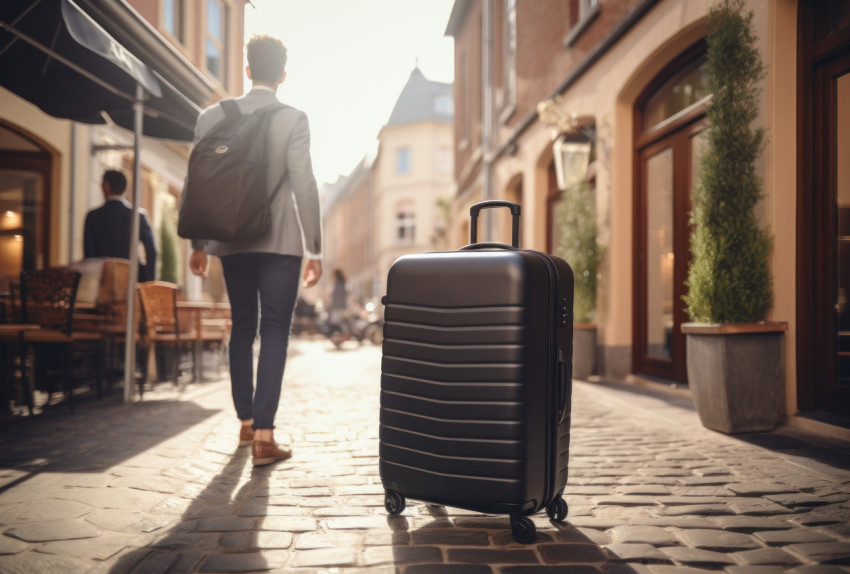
(107, 228)
(262, 275)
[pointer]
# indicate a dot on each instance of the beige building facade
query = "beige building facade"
(630, 71)
(401, 195)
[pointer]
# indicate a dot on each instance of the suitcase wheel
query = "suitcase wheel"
(393, 501)
(523, 529)
(557, 510)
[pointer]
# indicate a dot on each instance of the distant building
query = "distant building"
(392, 204)
(349, 230)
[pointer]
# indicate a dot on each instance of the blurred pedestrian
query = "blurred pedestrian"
(107, 229)
(339, 314)
(267, 269)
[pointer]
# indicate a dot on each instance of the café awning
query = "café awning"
(54, 55)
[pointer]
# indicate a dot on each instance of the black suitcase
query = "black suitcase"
(476, 380)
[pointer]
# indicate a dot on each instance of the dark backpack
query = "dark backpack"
(227, 197)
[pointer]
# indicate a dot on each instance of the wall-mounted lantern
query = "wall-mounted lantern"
(573, 137)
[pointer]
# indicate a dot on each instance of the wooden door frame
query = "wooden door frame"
(815, 221)
(679, 141)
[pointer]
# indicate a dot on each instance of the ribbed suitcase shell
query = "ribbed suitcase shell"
(473, 411)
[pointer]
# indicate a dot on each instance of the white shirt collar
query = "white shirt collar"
(263, 88)
(120, 198)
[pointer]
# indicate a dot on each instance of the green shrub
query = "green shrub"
(580, 247)
(729, 278)
(168, 253)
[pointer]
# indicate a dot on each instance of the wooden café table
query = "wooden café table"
(202, 330)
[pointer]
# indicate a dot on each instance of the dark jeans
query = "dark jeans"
(262, 288)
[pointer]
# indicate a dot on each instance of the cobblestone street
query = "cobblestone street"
(162, 486)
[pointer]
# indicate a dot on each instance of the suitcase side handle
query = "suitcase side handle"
(563, 397)
(490, 203)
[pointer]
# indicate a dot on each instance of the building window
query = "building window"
(405, 223)
(509, 60)
(402, 160)
(444, 106)
(172, 18)
(216, 39)
(582, 13)
(685, 90)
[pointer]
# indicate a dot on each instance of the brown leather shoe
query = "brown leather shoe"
(266, 452)
(246, 435)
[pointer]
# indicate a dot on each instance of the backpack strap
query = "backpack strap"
(270, 110)
(231, 108)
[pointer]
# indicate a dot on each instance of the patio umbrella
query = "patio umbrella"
(54, 55)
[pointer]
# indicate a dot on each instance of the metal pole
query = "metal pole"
(130, 343)
(487, 107)
(73, 189)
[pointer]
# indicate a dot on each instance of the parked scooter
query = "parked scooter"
(369, 326)
(366, 325)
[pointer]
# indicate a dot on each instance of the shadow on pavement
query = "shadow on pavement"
(812, 452)
(214, 523)
(470, 544)
(797, 449)
(92, 440)
(673, 399)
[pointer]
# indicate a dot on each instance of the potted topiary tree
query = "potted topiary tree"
(579, 246)
(735, 359)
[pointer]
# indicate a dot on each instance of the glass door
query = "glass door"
(668, 173)
(659, 256)
(832, 387)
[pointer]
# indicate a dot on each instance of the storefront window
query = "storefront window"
(24, 171)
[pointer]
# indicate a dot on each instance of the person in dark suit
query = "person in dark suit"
(268, 268)
(107, 229)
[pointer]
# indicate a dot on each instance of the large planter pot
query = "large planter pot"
(736, 373)
(584, 350)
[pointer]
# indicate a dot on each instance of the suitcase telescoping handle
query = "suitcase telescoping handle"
(476, 209)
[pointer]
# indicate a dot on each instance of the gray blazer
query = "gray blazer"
(296, 212)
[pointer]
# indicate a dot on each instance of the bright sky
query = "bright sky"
(348, 61)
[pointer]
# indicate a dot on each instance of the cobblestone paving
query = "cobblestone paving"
(162, 486)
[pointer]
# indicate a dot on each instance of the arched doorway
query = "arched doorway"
(24, 208)
(669, 118)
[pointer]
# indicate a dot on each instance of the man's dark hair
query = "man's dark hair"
(116, 180)
(267, 58)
